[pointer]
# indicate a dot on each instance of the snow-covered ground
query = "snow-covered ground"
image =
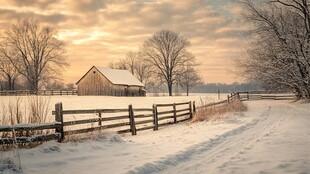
(98, 102)
(272, 137)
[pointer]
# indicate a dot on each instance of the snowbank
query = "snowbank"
(272, 137)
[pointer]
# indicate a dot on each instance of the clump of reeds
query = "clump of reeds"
(216, 112)
(17, 110)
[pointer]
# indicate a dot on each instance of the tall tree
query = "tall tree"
(167, 52)
(279, 54)
(34, 50)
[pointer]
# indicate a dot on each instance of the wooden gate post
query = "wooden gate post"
(59, 118)
(132, 121)
(190, 110)
(194, 107)
(155, 117)
(174, 113)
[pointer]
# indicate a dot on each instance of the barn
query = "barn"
(111, 82)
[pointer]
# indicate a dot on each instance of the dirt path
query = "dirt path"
(276, 141)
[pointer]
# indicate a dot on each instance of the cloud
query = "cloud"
(99, 31)
(86, 6)
(42, 4)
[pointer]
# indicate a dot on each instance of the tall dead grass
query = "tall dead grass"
(18, 110)
(213, 113)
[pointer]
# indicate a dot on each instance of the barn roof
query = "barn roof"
(118, 77)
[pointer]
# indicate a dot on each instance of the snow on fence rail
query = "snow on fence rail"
(19, 132)
(40, 92)
(121, 120)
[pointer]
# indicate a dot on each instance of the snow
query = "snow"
(119, 77)
(103, 102)
(272, 137)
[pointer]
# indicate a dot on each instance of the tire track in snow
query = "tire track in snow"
(212, 154)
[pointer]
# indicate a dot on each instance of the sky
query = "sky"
(97, 32)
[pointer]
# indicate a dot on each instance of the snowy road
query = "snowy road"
(278, 141)
(272, 137)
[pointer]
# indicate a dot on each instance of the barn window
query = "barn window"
(94, 72)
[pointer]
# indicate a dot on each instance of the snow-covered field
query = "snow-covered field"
(89, 102)
(272, 137)
(102, 102)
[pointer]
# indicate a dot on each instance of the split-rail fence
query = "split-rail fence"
(126, 120)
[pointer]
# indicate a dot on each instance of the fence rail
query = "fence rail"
(40, 92)
(21, 129)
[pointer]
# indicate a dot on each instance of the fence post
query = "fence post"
(238, 95)
(228, 99)
(190, 110)
(194, 107)
(174, 113)
(155, 117)
(100, 123)
(59, 118)
(247, 95)
(132, 121)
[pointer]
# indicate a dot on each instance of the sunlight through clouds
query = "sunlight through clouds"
(97, 32)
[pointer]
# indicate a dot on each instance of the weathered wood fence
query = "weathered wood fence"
(126, 120)
(40, 92)
(254, 95)
(119, 120)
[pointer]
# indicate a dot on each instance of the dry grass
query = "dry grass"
(213, 113)
(33, 110)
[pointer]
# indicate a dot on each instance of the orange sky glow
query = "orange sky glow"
(97, 32)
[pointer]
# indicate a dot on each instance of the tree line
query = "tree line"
(31, 54)
(163, 59)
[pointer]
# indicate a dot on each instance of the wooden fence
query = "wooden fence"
(252, 95)
(121, 120)
(124, 120)
(40, 92)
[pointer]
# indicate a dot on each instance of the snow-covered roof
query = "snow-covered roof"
(119, 77)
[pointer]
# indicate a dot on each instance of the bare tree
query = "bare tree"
(34, 50)
(121, 64)
(278, 56)
(167, 52)
(131, 61)
(134, 62)
(8, 73)
(189, 78)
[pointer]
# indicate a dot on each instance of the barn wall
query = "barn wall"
(96, 84)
